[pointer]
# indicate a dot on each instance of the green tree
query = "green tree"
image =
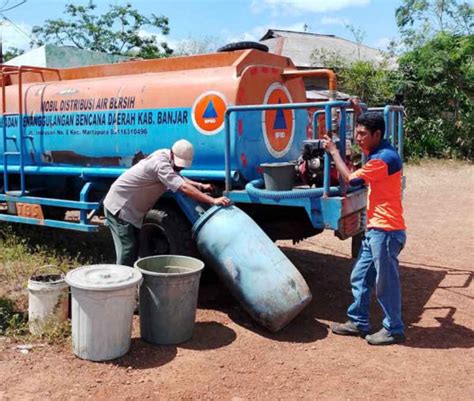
(117, 31)
(359, 35)
(438, 87)
(437, 76)
(12, 52)
(420, 20)
(375, 83)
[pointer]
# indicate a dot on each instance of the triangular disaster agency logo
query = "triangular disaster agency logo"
(208, 112)
(210, 115)
(278, 125)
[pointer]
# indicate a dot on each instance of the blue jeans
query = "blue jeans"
(125, 236)
(377, 267)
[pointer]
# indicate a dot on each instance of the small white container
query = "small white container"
(47, 299)
(103, 299)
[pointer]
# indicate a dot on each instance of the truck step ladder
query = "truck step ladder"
(22, 198)
(6, 72)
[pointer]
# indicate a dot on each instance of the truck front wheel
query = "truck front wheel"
(166, 231)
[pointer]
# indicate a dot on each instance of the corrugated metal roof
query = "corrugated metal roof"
(299, 46)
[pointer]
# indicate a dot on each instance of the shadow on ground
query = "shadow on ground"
(328, 278)
(206, 336)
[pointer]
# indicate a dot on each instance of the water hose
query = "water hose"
(256, 189)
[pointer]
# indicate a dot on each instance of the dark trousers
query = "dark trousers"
(125, 236)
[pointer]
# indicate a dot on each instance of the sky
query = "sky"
(225, 21)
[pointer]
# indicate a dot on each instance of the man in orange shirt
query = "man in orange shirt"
(377, 264)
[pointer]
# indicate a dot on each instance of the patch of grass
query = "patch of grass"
(51, 332)
(10, 318)
(27, 248)
(24, 249)
(14, 324)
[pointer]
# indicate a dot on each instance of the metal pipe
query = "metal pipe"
(393, 136)
(50, 223)
(286, 106)
(400, 134)
(110, 172)
(327, 160)
(342, 143)
(388, 119)
(14, 70)
(211, 174)
(4, 129)
(326, 176)
(316, 114)
(83, 198)
(329, 74)
(342, 147)
(72, 171)
(20, 132)
(51, 202)
(228, 184)
(29, 68)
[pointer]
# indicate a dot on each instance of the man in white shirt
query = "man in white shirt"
(137, 190)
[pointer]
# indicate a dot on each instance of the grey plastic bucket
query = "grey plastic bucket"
(279, 176)
(168, 297)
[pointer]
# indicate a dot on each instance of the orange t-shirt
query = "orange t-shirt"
(383, 174)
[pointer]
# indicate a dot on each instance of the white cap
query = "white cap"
(183, 152)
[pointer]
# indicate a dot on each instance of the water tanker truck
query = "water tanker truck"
(67, 134)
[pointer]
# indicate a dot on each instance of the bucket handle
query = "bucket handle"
(35, 272)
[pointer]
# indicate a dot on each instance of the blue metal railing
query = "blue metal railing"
(393, 116)
(86, 210)
(394, 122)
(328, 106)
(109, 172)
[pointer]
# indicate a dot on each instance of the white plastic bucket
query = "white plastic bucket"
(103, 299)
(48, 296)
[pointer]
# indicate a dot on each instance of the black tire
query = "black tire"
(242, 46)
(54, 213)
(356, 244)
(166, 231)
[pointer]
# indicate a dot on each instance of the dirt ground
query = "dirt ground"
(230, 358)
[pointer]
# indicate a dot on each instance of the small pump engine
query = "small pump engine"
(311, 163)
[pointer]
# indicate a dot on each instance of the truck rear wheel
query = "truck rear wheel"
(166, 231)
